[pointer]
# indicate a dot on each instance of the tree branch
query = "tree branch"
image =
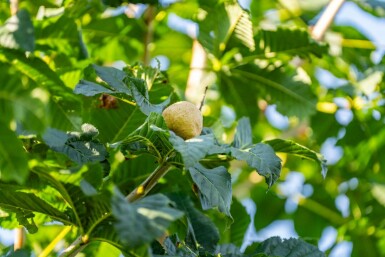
(326, 19)
(19, 238)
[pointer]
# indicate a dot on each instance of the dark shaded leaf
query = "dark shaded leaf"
(113, 77)
(243, 137)
(200, 228)
(141, 222)
(214, 187)
(292, 247)
(229, 250)
(139, 92)
(88, 88)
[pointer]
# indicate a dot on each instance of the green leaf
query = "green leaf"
(13, 161)
(18, 32)
(292, 97)
(291, 147)
(140, 94)
(141, 222)
(25, 204)
(292, 247)
(243, 136)
(151, 137)
(200, 228)
(239, 227)
(224, 22)
(229, 250)
(292, 41)
(214, 187)
(194, 149)
(89, 88)
(263, 158)
(113, 77)
(79, 147)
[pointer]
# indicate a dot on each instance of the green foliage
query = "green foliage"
(143, 221)
(83, 142)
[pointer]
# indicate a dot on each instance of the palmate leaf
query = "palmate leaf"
(291, 147)
(292, 97)
(13, 160)
(223, 22)
(214, 187)
(18, 32)
(141, 222)
(25, 204)
(201, 229)
(294, 42)
(292, 247)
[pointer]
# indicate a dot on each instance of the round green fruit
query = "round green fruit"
(184, 118)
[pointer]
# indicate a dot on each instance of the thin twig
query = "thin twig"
(326, 19)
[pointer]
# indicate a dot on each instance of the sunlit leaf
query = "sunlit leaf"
(18, 32)
(263, 158)
(291, 147)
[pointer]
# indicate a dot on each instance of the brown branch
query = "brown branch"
(319, 29)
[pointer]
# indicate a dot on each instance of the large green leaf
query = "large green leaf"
(263, 158)
(141, 222)
(291, 147)
(18, 32)
(80, 147)
(13, 160)
(194, 149)
(292, 97)
(214, 187)
(200, 228)
(292, 41)
(25, 204)
(292, 247)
